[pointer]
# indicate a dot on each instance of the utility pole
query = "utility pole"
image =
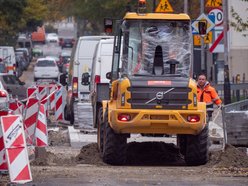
(186, 6)
(202, 44)
(154, 5)
(227, 87)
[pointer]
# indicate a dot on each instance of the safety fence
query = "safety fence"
(235, 123)
(25, 124)
(239, 91)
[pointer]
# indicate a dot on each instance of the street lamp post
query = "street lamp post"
(227, 86)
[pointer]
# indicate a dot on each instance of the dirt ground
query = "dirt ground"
(60, 160)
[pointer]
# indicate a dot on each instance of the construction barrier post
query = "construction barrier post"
(59, 105)
(41, 134)
(30, 119)
(16, 149)
(3, 162)
(32, 91)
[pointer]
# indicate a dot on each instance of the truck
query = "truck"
(39, 36)
(151, 88)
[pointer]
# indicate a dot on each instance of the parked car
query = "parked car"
(46, 68)
(37, 51)
(64, 60)
(66, 65)
(22, 57)
(13, 86)
(80, 62)
(67, 42)
(52, 38)
(29, 55)
(99, 84)
(3, 68)
(19, 66)
(25, 42)
(4, 99)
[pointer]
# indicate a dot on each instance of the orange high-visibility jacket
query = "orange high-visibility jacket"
(208, 95)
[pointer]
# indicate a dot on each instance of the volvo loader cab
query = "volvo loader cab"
(151, 89)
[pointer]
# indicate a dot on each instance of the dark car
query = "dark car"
(3, 66)
(67, 42)
(29, 55)
(64, 61)
(23, 58)
(13, 86)
(19, 66)
(37, 51)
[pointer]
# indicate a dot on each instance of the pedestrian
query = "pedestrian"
(206, 93)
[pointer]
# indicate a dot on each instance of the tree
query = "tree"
(10, 21)
(240, 24)
(34, 13)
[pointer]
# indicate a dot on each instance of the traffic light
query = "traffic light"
(108, 25)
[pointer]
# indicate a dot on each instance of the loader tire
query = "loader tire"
(114, 146)
(100, 130)
(181, 143)
(197, 148)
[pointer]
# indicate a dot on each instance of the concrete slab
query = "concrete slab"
(78, 139)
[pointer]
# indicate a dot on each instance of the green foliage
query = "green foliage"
(240, 24)
(20, 16)
(10, 20)
(91, 13)
(34, 14)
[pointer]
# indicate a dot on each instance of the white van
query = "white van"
(99, 84)
(7, 56)
(80, 62)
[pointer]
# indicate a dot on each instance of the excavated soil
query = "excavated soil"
(141, 154)
(230, 157)
(58, 138)
(160, 153)
(231, 162)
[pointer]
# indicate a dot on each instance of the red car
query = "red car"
(66, 42)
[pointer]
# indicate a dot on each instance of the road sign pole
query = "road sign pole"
(185, 6)
(202, 44)
(154, 5)
(227, 88)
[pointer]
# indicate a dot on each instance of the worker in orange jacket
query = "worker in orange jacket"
(206, 93)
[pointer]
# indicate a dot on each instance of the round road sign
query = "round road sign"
(218, 14)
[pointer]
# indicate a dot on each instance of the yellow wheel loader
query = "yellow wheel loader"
(151, 89)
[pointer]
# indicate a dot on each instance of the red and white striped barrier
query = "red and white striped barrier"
(52, 89)
(43, 93)
(16, 106)
(32, 91)
(59, 105)
(41, 128)
(3, 161)
(16, 149)
(30, 119)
